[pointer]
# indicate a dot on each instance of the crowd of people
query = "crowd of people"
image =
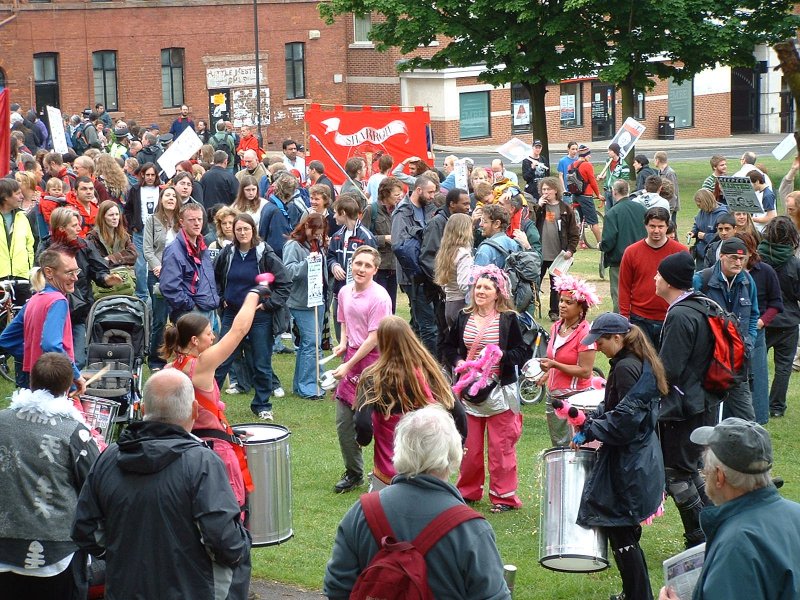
(198, 248)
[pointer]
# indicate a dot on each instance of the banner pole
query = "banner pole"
(317, 343)
(339, 166)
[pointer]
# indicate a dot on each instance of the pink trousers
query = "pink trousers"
(503, 431)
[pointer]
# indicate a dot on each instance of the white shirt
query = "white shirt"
(299, 164)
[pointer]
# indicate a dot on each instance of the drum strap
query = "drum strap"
(218, 435)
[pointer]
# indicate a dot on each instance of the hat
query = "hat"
(733, 246)
(15, 107)
(87, 112)
(727, 218)
(678, 270)
(607, 323)
(614, 147)
(583, 150)
(16, 118)
(165, 138)
(154, 126)
(742, 445)
(537, 142)
(122, 132)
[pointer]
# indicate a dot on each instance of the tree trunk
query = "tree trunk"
(626, 93)
(790, 65)
(537, 93)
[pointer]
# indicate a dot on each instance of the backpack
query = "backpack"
(398, 570)
(407, 253)
(222, 144)
(524, 269)
(726, 367)
(79, 143)
(575, 182)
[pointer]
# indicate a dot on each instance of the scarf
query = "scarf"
(775, 255)
(195, 255)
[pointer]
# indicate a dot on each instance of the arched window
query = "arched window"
(2, 80)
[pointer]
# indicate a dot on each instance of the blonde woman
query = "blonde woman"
(705, 223)
(107, 169)
(387, 391)
(453, 264)
(223, 222)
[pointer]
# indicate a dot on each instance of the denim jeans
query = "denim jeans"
(160, 311)
(387, 279)
(422, 315)
(140, 268)
(650, 327)
(260, 335)
(79, 344)
(759, 380)
(305, 366)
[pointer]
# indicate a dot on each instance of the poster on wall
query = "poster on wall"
(568, 108)
(336, 134)
(521, 112)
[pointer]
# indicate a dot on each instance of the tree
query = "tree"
(518, 41)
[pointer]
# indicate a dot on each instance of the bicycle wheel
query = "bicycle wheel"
(529, 392)
(6, 372)
(587, 236)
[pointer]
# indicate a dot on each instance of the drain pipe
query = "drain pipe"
(14, 10)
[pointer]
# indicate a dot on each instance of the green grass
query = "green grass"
(317, 465)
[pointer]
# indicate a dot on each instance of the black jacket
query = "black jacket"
(789, 278)
(185, 508)
(533, 175)
(627, 481)
(515, 353)
(268, 262)
(687, 345)
(220, 186)
(432, 240)
(568, 231)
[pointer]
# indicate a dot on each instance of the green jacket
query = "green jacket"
(623, 226)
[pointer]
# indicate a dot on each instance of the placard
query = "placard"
(787, 145)
(181, 149)
(315, 282)
(628, 135)
(515, 150)
(740, 195)
(461, 174)
(57, 130)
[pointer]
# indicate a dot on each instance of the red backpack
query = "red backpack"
(398, 571)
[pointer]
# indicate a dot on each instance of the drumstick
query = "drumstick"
(327, 359)
(98, 375)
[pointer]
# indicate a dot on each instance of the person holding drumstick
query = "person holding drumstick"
(569, 361)
(626, 485)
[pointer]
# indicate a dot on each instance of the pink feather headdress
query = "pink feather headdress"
(581, 290)
(493, 273)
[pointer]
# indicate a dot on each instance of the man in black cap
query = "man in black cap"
(615, 169)
(753, 548)
(730, 285)
(686, 348)
(535, 168)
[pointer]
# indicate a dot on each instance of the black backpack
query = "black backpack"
(575, 183)
(79, 143)
(222, 144)
(524, 269)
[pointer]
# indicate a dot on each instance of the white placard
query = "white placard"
(787, 145)
(57, 130)
(514, 150)
(628, 135)
(315, 283)
(739, 194)
(181, 149)
(461, 174)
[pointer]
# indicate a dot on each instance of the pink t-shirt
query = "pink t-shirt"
(362, 312)
(567, 353)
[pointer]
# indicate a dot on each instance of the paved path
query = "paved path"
(269, 590)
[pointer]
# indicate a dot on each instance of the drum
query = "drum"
(564, 545)
(587, 400)
(100, 414)
(268, 459)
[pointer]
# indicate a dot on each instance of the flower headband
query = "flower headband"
(579, 288)
(494, 274)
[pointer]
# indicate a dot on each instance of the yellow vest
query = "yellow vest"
(16, 254)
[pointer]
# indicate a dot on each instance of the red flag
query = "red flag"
(5, 133)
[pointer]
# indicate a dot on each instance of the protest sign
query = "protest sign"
(739, 194)
(181, 149)
(57, 130)
(315, 283)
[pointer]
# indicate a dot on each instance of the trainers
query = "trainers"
(265, 415)
(348, 484)
(286, 336)
(278, 392)
(233, 390)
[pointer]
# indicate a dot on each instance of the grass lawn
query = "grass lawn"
(317, 465)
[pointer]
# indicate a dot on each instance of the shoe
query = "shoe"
(284, 350)
(265, 415)
(348, 484)
(286, 336)
(501, 508)
(233, 390)
(620, 596)
(278, 392)
(775, 414)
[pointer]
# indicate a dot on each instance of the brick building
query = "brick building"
(144, 58)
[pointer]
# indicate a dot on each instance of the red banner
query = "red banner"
(336, 134)
(5, 133)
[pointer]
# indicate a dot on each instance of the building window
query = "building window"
(571, 105)
(2, 80)
(172, 77)
(681, 103)
(638, 105)
(362, 24)
(104, 64)
(520, 108)
(45, 77)
(295, 71)
(473, 115)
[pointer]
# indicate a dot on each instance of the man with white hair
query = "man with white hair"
(752, 533)
(179, 488)
(464, 562)
(251, 166)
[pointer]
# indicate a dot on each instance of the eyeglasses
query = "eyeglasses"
(73, 273)
(243, 229)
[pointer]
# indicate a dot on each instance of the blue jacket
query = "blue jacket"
(278, 220)
(185, 284)
(752, 548)
(339, 254)
(487, 254)
(707, 223)
(739, 298)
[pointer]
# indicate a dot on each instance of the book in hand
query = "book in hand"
(682, 571)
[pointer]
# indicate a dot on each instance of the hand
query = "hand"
(667, 593)
(339, 350)
(387, 239)
(701, 235)
(80, 385)
(459, 363)
(568, 254)
(157, 271)
(341, 371)
(522, 239)
(339, 273)
(113, 279)
(542, 381)
(542, 201)
(547, 363)
(262, 291)
(600, 177)
(690, 234)
(760, 324)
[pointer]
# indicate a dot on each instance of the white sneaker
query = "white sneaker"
(265, 415)
(233, 390)
(278, 392)
(286, 336)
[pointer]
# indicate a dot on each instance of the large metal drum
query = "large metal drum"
(268, 458)
(564, 545)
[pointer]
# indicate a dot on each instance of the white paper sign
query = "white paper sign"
(514, 150)
(315, 282)
(739, 194)
(787, 145)
(181, 149)
(461, 174)
(57, 130)
(628, 135)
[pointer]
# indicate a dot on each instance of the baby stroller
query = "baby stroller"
(117, 337)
